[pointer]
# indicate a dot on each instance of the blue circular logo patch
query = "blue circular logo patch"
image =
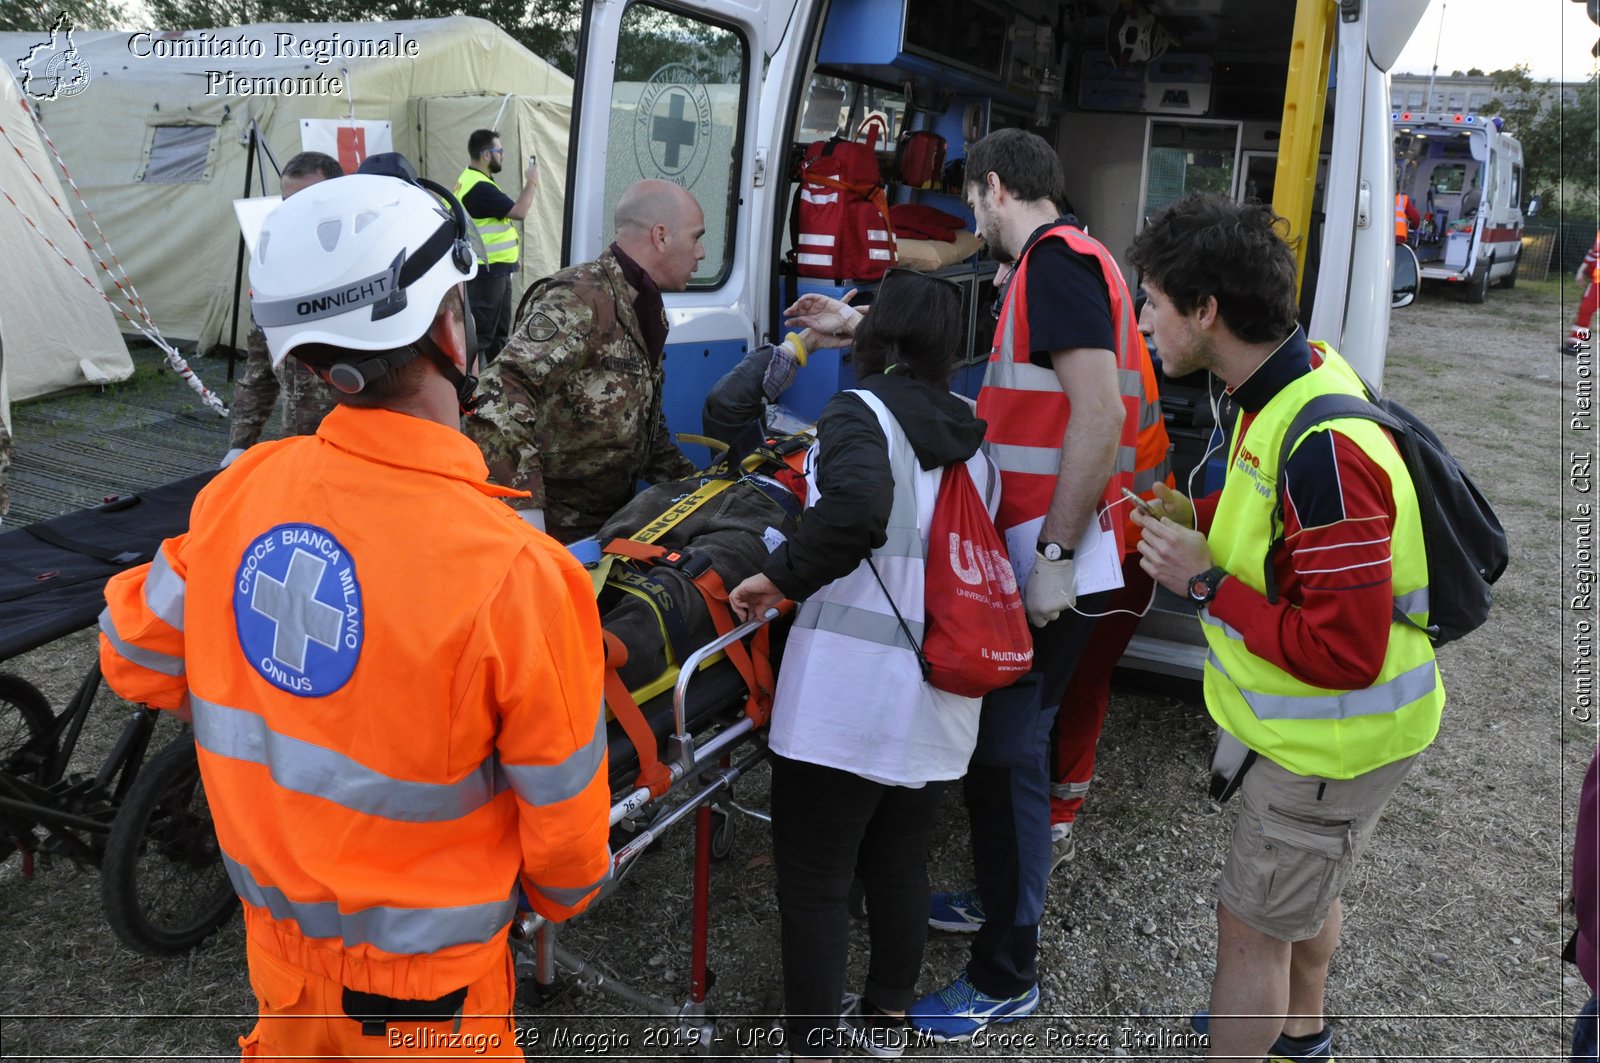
(297, 607)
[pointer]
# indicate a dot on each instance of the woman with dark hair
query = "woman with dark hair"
(861, 741)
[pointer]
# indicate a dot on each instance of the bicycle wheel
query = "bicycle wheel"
(24, 715)
(162, 880)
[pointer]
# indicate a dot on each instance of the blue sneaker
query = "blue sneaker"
(1315, 1049)
(959, 1010)
(960, 912)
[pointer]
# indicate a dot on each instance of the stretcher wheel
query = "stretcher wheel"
(162, 879)
(857, 900)
(723, 832)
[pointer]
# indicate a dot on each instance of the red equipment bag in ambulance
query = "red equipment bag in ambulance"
(840, 224)
(921, 159)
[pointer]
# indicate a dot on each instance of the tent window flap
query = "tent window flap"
(178, 154)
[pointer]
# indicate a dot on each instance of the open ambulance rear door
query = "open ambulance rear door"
(700, 94)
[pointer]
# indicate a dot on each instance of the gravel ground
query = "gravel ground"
(1454, 921)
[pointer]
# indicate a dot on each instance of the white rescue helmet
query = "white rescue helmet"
(361, 262)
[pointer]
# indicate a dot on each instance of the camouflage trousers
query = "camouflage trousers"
(306, 399)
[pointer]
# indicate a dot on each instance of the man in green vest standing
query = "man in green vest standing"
(1324, 689)
(494, 213)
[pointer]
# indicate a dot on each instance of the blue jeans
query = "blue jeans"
(1007, 791)
(1583, 1035)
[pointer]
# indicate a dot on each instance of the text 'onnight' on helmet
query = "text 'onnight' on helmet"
(359, 262)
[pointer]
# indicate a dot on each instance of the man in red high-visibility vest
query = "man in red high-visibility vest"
(1577, 340)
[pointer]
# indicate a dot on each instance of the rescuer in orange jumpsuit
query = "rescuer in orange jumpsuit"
(394, 680)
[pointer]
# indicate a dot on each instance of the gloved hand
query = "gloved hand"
(1049, 590)
(787, 359)
(230, 457)
(533, 516)
(1174, 505)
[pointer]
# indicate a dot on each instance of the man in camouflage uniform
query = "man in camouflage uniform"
(306, 400)
(572, 411)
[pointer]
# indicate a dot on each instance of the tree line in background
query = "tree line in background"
(1560, 153)
(548, 28)
(1561, 156)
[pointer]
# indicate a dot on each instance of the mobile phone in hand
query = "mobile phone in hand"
(1144, 507)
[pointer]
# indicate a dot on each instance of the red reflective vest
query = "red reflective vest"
(395, 685)
(1026, 409)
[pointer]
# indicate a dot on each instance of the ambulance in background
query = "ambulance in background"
(1285, 101)
(1464, 176)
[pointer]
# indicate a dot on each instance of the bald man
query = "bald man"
(573, 413)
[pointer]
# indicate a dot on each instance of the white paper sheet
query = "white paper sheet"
(1096, 565)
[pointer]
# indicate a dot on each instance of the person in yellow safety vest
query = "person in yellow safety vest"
(495, 215)
(1406, 218)
(1334, 699)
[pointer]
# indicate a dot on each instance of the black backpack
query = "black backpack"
(1466, 545)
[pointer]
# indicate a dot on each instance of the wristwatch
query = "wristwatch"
(1203, 588)
(1053, 551)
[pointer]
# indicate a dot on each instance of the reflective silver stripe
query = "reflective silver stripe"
(902, 542)
(864, 624)
(1391, 696)
(1145, 480)
(1149, 413)
(549, 784)
(1013, 457)
(1413, 603)
(816, 239)
(1127, 459)
(407, 931)
(310, 769)
(163, 591)
(1130, 382)
(567, 896)
(1021, 376)
(1227, 629)
(487, 228)
(1069, 790)
(164, 663)
(814, 260)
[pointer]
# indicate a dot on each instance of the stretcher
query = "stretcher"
(119, 817)
(679, 742)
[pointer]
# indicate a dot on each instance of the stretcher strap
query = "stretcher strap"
(756, 669)
(685, 506)
(626, 711)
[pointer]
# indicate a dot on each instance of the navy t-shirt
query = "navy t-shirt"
(1068, 302)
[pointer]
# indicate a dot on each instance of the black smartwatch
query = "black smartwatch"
(1053, 551)
(1203, 588)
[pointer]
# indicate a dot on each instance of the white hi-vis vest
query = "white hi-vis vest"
(850, 694)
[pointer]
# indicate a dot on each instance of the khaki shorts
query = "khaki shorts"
(1296, 840)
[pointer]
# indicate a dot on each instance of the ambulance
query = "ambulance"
(1463, 174)
(1282, 101)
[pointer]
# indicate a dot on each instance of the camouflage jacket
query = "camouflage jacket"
(306, 400)
(572, 411)
(5, 468)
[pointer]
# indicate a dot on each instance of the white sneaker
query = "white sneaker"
(1062, 845)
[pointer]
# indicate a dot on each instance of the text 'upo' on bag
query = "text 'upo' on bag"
(977, 632)
(1465, 543)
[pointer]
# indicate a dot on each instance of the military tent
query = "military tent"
(56, 331)
(157, 140)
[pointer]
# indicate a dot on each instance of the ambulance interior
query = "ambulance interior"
(1182, 96)
(1437, 169)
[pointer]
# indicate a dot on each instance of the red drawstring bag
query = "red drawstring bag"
(977, 632)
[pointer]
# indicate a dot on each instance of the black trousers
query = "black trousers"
(489, 300)
(1007, 792)
(822, 820)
